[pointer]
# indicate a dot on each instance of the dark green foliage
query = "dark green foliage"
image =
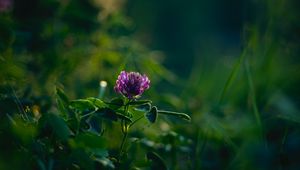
(232, 66)
(53, 124)
(152, 114)
(176, 114)
(82, 105)
(116, 103)
(156, 161)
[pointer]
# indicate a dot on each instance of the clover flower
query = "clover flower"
(131, 84)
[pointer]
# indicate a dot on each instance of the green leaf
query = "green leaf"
(62, 108)
(107, 113)
(59, 126)
(176, 114)
(94, 124)
(61, 95)
(143, 108)
(123, 117)
(157, 161)
(56, 124)
(97, 102)
(88, 140)
(82, 105)
(116, 103)
(62, 102)
(152, 115)
(111, 114)
(140, 102)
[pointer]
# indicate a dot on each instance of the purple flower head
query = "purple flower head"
(131, 84)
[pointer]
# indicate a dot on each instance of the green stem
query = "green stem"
(123, 143)
(125, 128)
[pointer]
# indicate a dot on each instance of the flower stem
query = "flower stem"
(125, 128)
(123, 143)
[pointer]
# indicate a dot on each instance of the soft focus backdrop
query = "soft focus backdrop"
(233, 66)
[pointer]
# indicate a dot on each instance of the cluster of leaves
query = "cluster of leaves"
(51, 41)
(86, 115)
(72, 135)
(245, 115)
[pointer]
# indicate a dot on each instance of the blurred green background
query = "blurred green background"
(233, 66)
